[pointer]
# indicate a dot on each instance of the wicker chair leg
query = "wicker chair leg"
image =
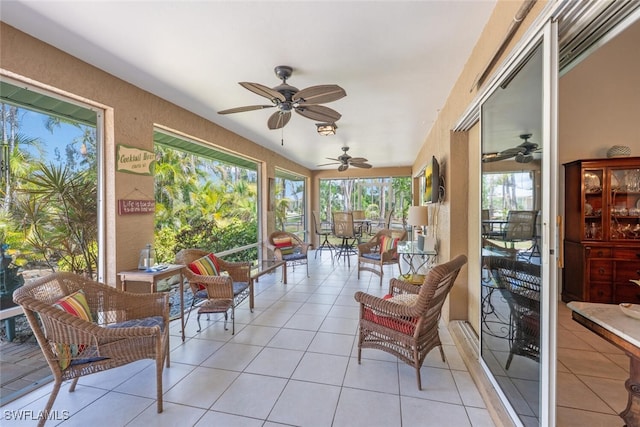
(72, 387)
(418, 378)
(233, 319)
(509, 361)
(198, 319)
(159, 363)
(52, 398)
(442, 354)
(226, 317)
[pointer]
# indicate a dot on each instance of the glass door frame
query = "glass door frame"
(547, 38)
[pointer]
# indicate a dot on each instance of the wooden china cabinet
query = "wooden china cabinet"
(602, 230)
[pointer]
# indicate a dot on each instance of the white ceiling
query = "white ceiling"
(397, 61)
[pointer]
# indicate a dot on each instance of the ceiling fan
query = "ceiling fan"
(523, 153)
(286, 98)
(346, 160)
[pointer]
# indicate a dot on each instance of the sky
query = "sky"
(32, 125)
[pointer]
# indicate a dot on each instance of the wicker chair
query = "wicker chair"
(370, 257)
(116, 336)
(297, 250)
(217, 294)
(520, 285)
(409, 332)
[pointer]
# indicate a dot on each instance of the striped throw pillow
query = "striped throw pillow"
(206, 266)
(387, 243)
(284, 244)
(76, 305)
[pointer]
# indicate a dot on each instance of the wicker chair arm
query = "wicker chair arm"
(136, 306)
(239, 271)
(66, 328)
(217, 286)
(397, 286)
(368, 248)
(384, 306)
(390, 255)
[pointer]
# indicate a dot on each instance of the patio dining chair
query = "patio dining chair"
(323, 232)
(344, 230)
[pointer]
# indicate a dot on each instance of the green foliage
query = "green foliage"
(207, 235)
(56, 210)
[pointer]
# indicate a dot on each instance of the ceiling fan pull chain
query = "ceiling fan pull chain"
(282, 136)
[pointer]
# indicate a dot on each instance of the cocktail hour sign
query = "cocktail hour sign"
(134, 160)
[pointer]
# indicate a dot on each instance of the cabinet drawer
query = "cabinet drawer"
(600, 292)
(592, 252)
(627, 270)
(627, 293)
(627, 253)
(600, 271)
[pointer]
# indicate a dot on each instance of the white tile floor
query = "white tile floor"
(292, 362)
(590, 377)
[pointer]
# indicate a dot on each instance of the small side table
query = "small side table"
(152, 277)
(416, 258)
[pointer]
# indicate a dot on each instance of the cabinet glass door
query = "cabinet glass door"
(593, 180)
(624, 211)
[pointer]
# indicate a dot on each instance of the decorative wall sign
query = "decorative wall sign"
(132, 207)
(134, 160)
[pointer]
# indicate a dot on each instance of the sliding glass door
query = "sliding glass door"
(517, 200)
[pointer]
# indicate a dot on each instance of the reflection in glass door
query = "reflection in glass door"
(512, 199)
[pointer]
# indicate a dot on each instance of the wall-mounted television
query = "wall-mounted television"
(432, 181)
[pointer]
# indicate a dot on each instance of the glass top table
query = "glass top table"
(417, 259)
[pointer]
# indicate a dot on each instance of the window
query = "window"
(376, 196)
(290, 203)
(205, 198)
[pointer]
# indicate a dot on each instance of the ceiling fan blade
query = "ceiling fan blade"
(495, 157)
(319, 94)
(513, 151)
(343, 168)
(243, 109)
(318, 112)
(335, 160)
(358, 160)
(330, 164)
(361, 165)
(278, 120)
(262, 90)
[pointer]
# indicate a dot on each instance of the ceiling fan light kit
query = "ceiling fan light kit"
(326, 129)
(287, 98)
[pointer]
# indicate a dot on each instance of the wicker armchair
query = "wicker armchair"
(370, 256)
(294, 253)
(117, 335)
(409, 332)
(220, 293)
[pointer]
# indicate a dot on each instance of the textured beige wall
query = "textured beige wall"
(458, 214)
(607, 113)
(130, 117)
